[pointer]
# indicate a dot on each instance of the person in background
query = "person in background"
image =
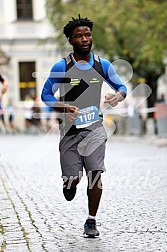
(36, 121)
(47, 111)
(28, 113)
(159, 100)
(3, 90)
(10, 108)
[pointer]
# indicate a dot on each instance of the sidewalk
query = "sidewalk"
(34, 216)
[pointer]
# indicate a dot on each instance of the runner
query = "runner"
(3, 89)
(79, 78)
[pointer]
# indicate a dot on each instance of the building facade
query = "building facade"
(27, 40)
(24, 30)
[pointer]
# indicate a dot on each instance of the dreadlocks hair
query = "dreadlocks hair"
(76, 22)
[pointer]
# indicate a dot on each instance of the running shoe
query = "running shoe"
(90, 229)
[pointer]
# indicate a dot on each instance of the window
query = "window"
(24, 9)
(27, 83)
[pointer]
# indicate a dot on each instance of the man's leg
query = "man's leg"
(71, 183)
(94, 191)
(71, 165)
(92, 148)
(69, 188)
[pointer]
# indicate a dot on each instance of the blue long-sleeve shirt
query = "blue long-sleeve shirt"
(58, 71)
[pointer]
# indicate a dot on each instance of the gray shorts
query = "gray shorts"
(84, 149)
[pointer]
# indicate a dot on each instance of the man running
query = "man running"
(79, 78)
(3, 89)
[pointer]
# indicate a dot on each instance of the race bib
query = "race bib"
(87, 116)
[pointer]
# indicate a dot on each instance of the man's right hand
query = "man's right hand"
(72, 112)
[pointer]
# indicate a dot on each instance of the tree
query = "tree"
(134, 30)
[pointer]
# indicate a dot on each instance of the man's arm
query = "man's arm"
(112, 78)
(119, 89)
(48, 98)
(51, 85)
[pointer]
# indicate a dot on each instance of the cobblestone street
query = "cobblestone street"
(34, 216)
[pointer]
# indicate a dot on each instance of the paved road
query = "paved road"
(35, 217)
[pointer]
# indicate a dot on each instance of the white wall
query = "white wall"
(9, 10)
(39, 10)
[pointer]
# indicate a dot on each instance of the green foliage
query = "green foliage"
(134, 30)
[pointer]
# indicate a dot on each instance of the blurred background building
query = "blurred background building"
(27, 50)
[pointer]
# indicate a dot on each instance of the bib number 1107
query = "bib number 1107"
(87, 116)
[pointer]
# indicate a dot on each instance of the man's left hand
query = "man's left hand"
(111, 99)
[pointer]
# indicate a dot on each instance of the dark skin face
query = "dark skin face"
(81, 40)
